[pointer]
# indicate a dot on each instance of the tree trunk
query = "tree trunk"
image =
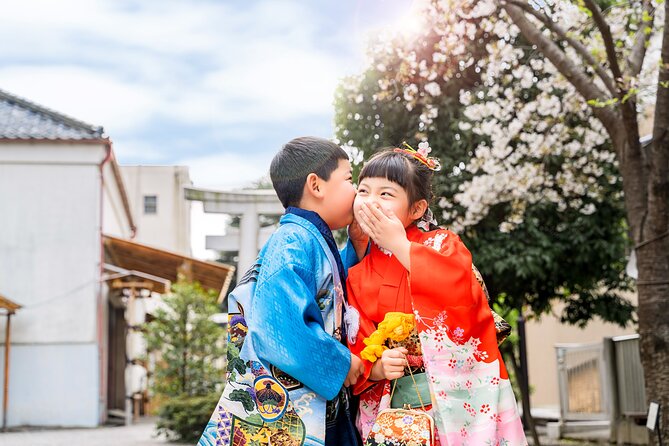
(646, 187)
(653, 254)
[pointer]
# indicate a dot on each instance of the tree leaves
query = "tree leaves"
(189, 344)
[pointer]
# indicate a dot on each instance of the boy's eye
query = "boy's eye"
(387, 194)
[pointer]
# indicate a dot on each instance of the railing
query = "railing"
(583, 384)
(602, 388)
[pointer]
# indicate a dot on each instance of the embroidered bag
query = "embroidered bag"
(402, 427)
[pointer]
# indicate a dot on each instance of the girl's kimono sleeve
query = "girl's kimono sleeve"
(442, 266)
(442, 280)
(287, 331)
(367, 327)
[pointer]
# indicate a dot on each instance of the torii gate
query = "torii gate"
(249, 204)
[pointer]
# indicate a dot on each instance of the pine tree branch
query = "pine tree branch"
(575, 44)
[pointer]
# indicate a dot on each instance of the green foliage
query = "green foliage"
(182, 418)
(189, 343)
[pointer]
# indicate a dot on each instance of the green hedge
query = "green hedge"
(185, 417)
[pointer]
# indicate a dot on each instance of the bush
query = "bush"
(184, 418)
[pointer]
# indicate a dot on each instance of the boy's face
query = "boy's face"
(338, 197)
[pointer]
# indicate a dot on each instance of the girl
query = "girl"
(423, 276)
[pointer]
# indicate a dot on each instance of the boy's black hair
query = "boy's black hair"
(412, 175)
(296, 160)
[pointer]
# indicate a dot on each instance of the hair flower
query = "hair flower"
(421, 155)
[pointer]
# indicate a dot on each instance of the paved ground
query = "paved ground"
(140, 434)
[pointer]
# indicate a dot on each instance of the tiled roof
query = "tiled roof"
(21, 119)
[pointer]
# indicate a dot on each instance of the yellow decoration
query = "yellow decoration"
(396, 326)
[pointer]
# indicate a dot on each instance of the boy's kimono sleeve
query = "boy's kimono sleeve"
(287, 331)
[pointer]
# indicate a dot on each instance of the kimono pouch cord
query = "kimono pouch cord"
(420, 399)
(405, 393)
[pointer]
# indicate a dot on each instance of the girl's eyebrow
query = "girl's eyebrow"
(391, 187)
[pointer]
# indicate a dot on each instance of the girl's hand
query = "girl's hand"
(390, 365)
(382, 226)
(386, 230)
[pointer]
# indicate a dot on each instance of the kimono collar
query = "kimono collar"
(414, 234)
(316, 220)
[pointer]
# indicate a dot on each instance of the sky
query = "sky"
(215, 85)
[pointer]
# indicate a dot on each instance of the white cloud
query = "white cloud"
(85, 94)
(227, 170)
(257, 63)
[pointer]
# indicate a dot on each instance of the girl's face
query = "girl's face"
(389, 196)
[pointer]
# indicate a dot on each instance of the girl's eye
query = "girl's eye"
(362, 190)
(387, 194)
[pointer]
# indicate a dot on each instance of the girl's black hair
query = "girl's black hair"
(403, 169)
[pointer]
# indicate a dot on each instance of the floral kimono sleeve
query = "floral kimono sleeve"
(473, 402)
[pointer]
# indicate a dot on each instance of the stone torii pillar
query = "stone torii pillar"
(249, 204)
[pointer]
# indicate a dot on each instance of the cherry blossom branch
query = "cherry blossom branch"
(605, 30)
(582, 83)
(578, 46)
(638, 54)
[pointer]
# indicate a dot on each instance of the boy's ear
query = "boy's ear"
(418, 209)
(314, 186)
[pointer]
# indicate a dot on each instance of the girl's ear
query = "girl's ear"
(313, 186)
(418, 209)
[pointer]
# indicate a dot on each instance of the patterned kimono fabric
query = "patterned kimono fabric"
(286, 360)
(471, 397)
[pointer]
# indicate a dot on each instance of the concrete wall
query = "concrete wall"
(50, 252)
(169, 228)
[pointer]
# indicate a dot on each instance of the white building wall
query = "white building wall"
(50, 251)
(114, 219)
(169, 227)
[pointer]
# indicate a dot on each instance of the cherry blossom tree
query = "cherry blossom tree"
(528, 114)
(605, 56)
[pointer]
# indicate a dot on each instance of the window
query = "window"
(150, 204)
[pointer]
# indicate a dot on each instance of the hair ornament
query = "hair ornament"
(421, 155)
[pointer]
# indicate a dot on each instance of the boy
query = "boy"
(287, 361)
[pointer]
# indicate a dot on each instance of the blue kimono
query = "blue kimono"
(286, 359)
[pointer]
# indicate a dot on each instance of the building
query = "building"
(158, 203)
(68, 259)
(59, 187)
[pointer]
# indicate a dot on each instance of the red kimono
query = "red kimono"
(472, 400)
